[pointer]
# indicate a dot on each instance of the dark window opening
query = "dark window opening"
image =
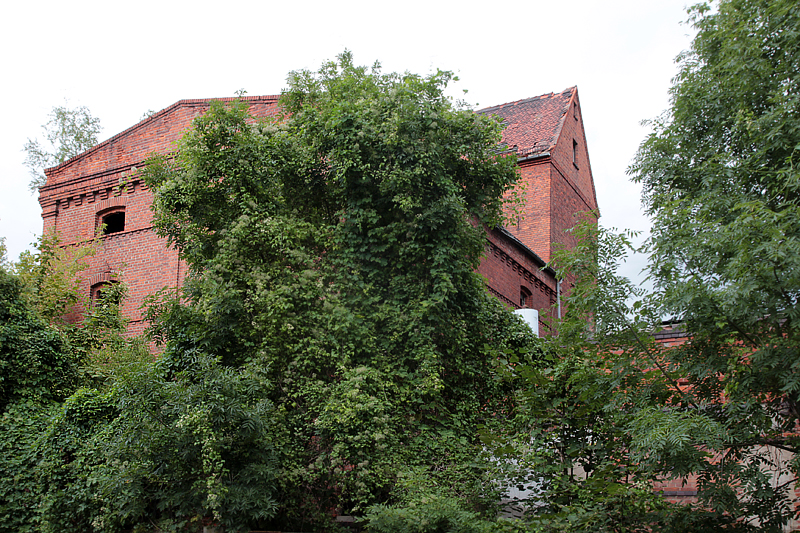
(575, 153)
(98, 289)
(113, 222)
(525, 297)
(100, 292)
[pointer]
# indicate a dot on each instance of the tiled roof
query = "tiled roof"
(534, 124)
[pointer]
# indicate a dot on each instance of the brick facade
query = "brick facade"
(544, 131)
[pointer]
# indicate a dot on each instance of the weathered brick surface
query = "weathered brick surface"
(541, 130)
(532, 225)
(509, 267)
(555, 187)
(79, 190)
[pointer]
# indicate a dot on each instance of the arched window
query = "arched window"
(112, 220)
(525, 297)
(97, 290)
(100, 291)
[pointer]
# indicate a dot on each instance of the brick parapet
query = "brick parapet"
(155, 134)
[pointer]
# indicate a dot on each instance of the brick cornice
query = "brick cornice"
(535, 279)
(90, 193)
(192, 102)
(48, 190)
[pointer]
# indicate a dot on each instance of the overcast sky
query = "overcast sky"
(123, 59)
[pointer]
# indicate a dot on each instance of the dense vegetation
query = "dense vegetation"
(334, 352)
(333, 343)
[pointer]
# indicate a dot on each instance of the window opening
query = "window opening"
(525, 297)
(100, 291)
(113, 222)
(575, 153)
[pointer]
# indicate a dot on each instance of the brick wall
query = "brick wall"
(508, 268)
(78, 191)
(532, 225)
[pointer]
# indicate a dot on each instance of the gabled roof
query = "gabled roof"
(533, 125)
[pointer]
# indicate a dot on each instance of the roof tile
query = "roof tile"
(532, 125)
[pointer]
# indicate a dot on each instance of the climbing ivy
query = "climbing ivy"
(335, 250)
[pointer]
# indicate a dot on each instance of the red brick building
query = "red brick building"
(100, 186)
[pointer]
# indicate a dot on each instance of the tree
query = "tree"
(720, 179)
(577, 393)
(337, 249)
(68, 132)
(99, 436)
(35, 360)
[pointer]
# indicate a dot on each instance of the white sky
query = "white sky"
(122, 59)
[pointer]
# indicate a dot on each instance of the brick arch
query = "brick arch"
(102, 277)
(109, 203)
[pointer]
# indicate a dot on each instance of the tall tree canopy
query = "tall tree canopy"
(336, 249)
(68, 132)
(720, 179)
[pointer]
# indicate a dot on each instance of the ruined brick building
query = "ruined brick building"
(100, 186)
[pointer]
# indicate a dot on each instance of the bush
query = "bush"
(431, 514)
(21, 426)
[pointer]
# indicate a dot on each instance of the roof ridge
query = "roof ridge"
(154, 116)
(525, 100)
(560, 126)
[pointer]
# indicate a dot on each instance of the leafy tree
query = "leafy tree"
(35, 360)
(97, 436)
(337, 249)
(50, 278)
(568, 443)
(162, 451)
(720, 179)
(68, 132)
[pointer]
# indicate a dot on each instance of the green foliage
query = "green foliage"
(187, 446)
(336, 250)
(567, 446)
(51, 280)
(71, 462)
(431, 514)
(50, 460)
(606, 411)
(21, 425)
(35, 360)
(154, 450)
(720, 179)
(68, 132)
